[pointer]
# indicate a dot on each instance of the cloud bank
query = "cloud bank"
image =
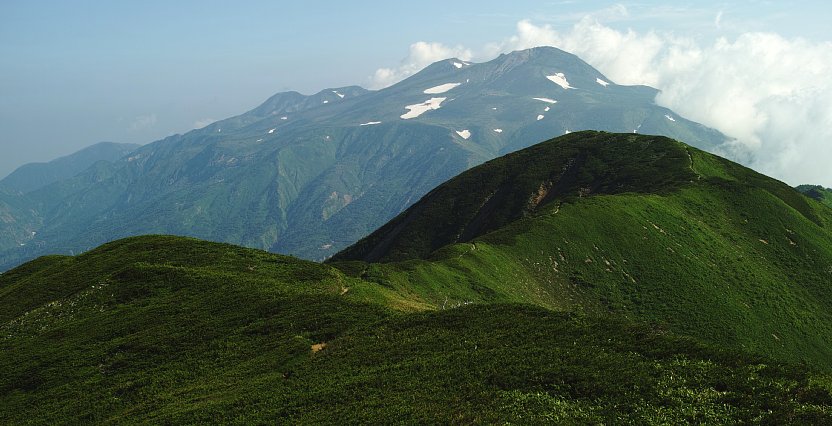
(421, 55)
(770, 94)
(198, 124)
(142, 122)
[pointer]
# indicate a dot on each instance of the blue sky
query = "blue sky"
(80, 72)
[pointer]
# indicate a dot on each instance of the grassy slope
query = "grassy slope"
(174, 330)
(730, 256)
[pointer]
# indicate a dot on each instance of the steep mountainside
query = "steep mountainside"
(309, 175)
(174, 330)
(17, 222)
(30, 177)
(642, 226)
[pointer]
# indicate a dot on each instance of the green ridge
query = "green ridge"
(714, 250)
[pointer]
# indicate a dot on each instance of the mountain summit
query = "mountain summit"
(309, 175)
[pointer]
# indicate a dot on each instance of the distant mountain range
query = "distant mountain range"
(19, 218)
(309, 175)
(34, 176)
(824, 195)
(595, 278)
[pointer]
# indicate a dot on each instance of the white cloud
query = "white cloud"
(198, 124)
(421, 55)
(142, 122)
(771, 94)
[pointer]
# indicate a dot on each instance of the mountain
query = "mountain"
(613, 278)
(309, 175)
(824, 195)
(33, 176)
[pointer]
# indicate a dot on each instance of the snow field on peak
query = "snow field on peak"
(551, 101)
(442, 88)
(560, 80)
(416, 110)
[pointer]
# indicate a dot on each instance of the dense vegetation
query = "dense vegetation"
(647, 282)
(173, 330)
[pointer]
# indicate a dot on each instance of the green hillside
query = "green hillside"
(642, 226)
(593, 278)
(173, 330)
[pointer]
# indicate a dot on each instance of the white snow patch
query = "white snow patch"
(457, 64)
(259, 140)
(272, 130)
(284, 118)
(339, 94)
(567, 132)
(540, 117)
(464, 134)
(602, 82)
(560, 80)
(551, 101)
(494, 108)
(442, 88)
(219, 130)
(546, 109)
(419, 109)
(370, 123)
(667, 116)
(498, 130)
(326, 102)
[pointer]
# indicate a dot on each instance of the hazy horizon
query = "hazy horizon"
(79, 74)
